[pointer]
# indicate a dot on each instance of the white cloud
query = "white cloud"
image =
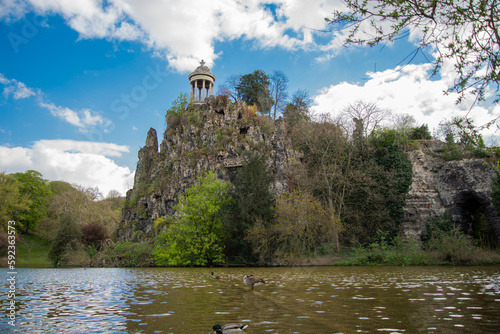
(76, 162)
(407, 90)
(84, 119)
(183, 33)
(17, 89)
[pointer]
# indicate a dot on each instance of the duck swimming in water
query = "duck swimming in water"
(229, 328)
(249, 280)
(216, 276)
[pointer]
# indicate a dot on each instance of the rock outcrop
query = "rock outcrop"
(461, 188)
(214, 135)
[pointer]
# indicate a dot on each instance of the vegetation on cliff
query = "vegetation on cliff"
(232, 185)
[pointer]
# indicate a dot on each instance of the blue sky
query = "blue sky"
(82, 81)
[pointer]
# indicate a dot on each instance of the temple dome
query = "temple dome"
(202, 70)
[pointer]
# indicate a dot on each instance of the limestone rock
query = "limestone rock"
(214, 135)
(461, 188)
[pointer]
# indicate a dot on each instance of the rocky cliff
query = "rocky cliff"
(461, 188)
(217, 134)
(213, 135)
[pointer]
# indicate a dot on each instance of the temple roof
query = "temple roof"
(203, 70)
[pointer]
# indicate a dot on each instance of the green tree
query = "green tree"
(12, 202)
(253, 88)
(302, 228)
(39, 192)
(252, 202)
(298, 109)
(465, 32)
(196, 234)
(67, 239)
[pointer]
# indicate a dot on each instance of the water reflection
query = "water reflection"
(294, 300)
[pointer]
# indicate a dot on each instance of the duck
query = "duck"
(216, 276)
(229, 328)
(249, 280)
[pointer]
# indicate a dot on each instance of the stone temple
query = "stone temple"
(202, 83)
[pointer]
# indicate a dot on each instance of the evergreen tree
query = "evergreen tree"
(252, 202)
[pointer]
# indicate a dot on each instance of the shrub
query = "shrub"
(93, 234)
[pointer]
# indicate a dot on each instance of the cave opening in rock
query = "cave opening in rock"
(471, 213)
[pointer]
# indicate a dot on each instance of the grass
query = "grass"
(32, 252)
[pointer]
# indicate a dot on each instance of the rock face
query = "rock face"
(461, 188)
(213, 135)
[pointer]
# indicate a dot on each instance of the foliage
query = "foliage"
(12, 202)
(465, 32)
(298, 109)
(251, 201)
(38, 190)
(301, 227)
(197, 233)
(452, 246)
(128, 254)
(93, 234)
(421, 132)
(253, 88)
(66, 239)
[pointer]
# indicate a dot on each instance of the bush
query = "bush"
(93, 234)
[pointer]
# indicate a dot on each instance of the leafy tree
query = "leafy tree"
(278, 91)
(421, 132)
(12, 202)
(196, 235)
(298, 109)
(39, 192)
(302, 227)
(252, 202)
(67, 238)
(253, 88)
(328, 161)
(465, 32)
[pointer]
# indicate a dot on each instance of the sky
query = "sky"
(82, 81)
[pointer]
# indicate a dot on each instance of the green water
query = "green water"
(294, 300)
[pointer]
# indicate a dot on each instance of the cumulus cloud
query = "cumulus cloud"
(407, 90)
(183, 33)
(76, 162)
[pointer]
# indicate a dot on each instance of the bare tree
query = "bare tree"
(278, 89)
(365, 114)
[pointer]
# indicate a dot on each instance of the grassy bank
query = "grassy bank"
(32, 252)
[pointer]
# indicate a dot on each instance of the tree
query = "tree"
(12, 202)
(298, 109)
(278, 90)
(301, 229)
(251, 201)
(253, 88)
(327, 155)
(197, 233)
(465, 32)
(39, 192)
(367, 114)
(67, 239)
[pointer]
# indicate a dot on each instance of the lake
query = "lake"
(294, 300)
